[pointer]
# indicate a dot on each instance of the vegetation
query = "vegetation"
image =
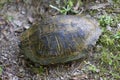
(2, 2)
(108, 57)
(38, 70)
(105, 20)
(67, 7)
(1, 70)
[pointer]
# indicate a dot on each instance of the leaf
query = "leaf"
(1, 70)
(55, 8)
(70, 3)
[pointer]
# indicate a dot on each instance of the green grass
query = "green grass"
(1, 70)
(67, 7)
(108, 57)
(2, 2)
(105, 20)
(40, 70)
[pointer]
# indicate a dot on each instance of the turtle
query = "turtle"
(59, 39)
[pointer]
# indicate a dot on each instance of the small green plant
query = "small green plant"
(1, 70)
(106, 40)
(67, 7)
(2, 2)
(117, 35)
(39, 70)
(116, 3)
(92, 67)
(105, 58)
(108, 59)
(92, 12)
(105, 20)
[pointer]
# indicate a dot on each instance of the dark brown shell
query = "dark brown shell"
(59, 39)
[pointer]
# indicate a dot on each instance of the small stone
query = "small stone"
(61, 78)
(4, 58)
(26, 26)
(23, 12)
(21, 70)
(30, 19)
(109, 28)
(76, 73)
(17, 22)
(118, 26)
(15, 78)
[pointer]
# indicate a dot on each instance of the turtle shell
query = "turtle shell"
(59, 39)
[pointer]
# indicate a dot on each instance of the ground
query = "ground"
(15, 18)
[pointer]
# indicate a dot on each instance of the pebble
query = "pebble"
(26, 26)
(23, 12)
(21, 70)
(15, 78)
(30, 19)
(118, 26)
(17, 22)
(109, 28)
(76, 73)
